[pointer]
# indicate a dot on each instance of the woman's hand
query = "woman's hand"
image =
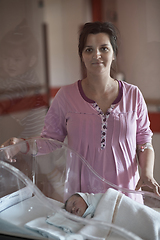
(150, 182)
(146, 161)
(11, 141)
(10, 152)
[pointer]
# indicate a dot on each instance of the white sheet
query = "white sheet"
(14, 198)
(26, 211)
(7, 228)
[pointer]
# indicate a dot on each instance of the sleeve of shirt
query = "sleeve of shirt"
(55, 122)
(144, 133)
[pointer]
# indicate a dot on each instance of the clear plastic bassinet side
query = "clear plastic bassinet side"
(54, 171)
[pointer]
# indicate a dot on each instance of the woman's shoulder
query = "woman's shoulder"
(132, 93)
(70, 86)
(129, 88)
(67, 89)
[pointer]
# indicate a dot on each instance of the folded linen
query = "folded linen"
(74, 237)
(55, 226)
(46, 230)
(67, 225)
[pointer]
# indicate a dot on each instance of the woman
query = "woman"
(104, 120)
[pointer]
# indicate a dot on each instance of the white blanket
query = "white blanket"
(134, 219)
(116, 208)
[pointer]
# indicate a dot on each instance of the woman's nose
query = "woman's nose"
(97, 54)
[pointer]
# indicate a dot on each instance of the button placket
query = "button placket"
(104, 118)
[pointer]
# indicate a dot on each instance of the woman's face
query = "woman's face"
(76, 205)
(98, 53)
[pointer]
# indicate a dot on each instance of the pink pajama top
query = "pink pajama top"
(107, 141)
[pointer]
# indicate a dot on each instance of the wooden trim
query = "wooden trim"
(53, 91)
(96, 10)
(155, 121)
(46, 60)
(9, 106)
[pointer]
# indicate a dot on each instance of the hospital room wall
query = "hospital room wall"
(64, 19)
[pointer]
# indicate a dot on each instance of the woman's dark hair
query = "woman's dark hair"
(98, 27)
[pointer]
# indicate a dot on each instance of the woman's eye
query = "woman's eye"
(89, 50)
(104, 49)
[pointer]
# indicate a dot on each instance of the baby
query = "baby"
(121, 211)
(82, 204)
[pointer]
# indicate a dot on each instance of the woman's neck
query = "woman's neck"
(102, 91)
(98, 84)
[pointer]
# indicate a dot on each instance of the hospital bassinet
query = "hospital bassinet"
(36, 177)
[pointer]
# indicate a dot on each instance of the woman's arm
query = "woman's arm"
(145, 155)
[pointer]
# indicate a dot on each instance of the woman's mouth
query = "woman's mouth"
(97, 63)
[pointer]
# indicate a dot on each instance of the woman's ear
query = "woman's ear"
(114, 57)
(33, 60)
